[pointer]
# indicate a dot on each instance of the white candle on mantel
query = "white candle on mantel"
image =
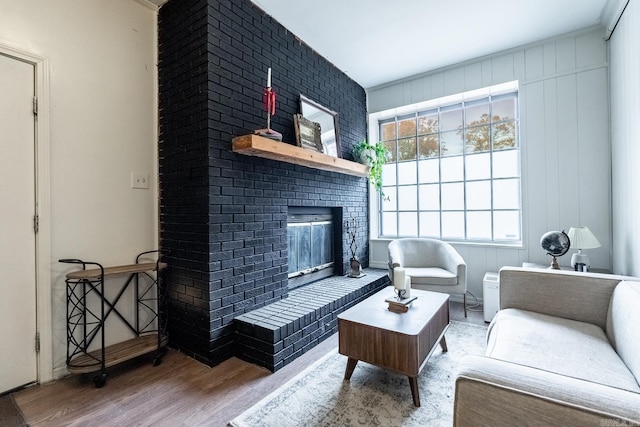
(269, 78)
(399, 276)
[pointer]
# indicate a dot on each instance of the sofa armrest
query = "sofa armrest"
(572, 295)
(494, 392)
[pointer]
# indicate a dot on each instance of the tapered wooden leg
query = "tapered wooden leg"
(351, 365)
(443, 344)
(413, 383)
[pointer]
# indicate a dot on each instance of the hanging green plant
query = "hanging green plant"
(374, 156)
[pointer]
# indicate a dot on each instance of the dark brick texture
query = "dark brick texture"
(223, 215)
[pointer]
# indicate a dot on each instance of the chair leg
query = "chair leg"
(464, 302)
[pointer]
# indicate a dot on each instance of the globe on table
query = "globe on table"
(555, 243)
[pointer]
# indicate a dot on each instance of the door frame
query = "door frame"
(44, 320)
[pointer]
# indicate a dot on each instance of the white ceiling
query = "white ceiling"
(378, 41)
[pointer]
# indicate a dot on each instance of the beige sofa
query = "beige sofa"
(564, 350)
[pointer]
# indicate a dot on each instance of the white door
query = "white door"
(18, 362)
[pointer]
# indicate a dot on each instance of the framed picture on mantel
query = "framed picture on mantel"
(307, 133)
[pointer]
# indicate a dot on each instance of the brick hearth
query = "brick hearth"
(278, 333)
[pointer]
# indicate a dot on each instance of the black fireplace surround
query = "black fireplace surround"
(223, 215)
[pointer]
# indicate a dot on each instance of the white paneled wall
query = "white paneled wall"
(625, 139)
(564, 132)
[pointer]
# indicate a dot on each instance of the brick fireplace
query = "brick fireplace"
(224, 215)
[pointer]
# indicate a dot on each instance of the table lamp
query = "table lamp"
(582, 238)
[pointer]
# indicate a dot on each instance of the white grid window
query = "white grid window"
(454, 171)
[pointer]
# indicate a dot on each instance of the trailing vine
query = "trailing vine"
(373, 155)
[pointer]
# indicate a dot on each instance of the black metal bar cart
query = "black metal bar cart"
(89, 307)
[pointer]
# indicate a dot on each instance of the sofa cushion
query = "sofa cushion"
(623, 324)
(566, 347)
(431, 276)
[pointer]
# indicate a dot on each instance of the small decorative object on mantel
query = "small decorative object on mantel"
(269, 99)
(307, 133)
(401, 302)
(355, 267)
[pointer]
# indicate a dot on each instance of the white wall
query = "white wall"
(564, 134)
(625, 138)
(102, 85)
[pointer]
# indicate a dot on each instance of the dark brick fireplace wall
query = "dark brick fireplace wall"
(223, 215)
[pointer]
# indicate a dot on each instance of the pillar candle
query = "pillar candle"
(269, 77)
(399, 277)
(407, 286)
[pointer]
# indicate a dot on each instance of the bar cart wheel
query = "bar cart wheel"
(100, 380)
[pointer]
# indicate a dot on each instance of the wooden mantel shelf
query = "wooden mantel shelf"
(254, 145)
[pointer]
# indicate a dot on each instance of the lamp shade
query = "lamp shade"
(583, 238)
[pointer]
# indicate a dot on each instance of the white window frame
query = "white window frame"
(377, 117)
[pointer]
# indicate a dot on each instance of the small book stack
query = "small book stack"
(400, 305)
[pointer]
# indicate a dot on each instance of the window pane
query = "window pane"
(506, 225)
(389, 224)
(407, 149)
(428, 146)
(451, 119)
(388, 131)
(430, 197)
(407, 127)
(390, 204)
(391, 148)
(479, 195)
(478, 139)
(453, 196)
(430, 224)
(506, 164)
(504, 109)
(504, 135)
(429, 170)
(453, 225)
(451, 143)
(408, 198)
(477, 114)
(408, 224)
(452, 169)
(478, 166)
(428, 123)
(479, 225)
(389, 174)
(407, 173)
(506, 194)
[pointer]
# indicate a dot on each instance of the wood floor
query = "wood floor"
(179, 392)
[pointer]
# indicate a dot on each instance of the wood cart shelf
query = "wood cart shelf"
(89, 307)
(254, 145)
(116, 353)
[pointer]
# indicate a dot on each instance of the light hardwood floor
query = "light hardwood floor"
(179, 392)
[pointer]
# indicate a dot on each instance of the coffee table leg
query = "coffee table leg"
(351, 365)
(413, 383)
(443, 344)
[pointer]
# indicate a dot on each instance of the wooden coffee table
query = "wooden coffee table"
(401, 342)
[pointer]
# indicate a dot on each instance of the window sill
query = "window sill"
(515, 245)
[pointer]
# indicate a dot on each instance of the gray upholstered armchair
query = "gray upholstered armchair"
(433, 265)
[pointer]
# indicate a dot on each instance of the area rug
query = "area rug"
(10, 414)
(319, 396)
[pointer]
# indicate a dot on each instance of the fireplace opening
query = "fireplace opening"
(311, 237)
